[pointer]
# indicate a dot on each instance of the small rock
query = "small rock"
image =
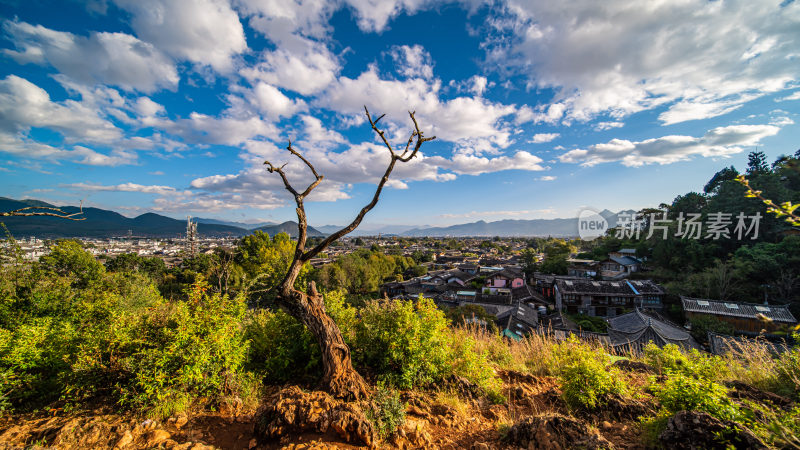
(126, 439)
(156, 437)
(606, 425)
(412, 409)
(180, 421)
(555, 432)
(202, 446)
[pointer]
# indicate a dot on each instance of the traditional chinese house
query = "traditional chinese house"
(606, 298)
(633, 331)
(745, 317)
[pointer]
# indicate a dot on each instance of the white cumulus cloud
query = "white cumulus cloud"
(207, 32)
(540, 138)
(111, 58)
(718, 142)
(701, 59)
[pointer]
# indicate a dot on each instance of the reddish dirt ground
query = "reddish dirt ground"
(432, 421)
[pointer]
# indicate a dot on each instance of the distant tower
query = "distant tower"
(191, 237)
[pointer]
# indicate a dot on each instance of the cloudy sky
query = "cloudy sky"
(539, 107)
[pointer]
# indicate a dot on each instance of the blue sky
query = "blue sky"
(540, 108)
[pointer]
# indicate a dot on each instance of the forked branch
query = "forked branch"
(31, 211)
(404, 157)
(416, 139)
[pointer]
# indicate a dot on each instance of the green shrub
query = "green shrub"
(681, 392)
(586, 377)
(68, 258)
(281, 348)
(409, 344)
(701, 325)
(31, 361)
(190, 350)
(80, 332)
(776, 427)
(406, 343)
(386, 411)
(671, 359)
(788, 372)
(589, 323)
(467, 361)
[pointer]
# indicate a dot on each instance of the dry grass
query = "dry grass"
(755, 363)
(533, 354)
(460, 406)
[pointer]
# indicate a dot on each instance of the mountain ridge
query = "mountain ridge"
(106, 223)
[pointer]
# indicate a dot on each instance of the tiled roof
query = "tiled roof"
(508, 272)
(635, 329)
(522, 293)
(624, 260)
(520, 319)
(460, 274)
(776, 313)
(620, 288)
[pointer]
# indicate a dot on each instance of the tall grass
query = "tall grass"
(755, 362)
(534, 354)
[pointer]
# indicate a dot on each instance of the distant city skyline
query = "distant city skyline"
(540, 109)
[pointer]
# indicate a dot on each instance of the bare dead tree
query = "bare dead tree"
(339, 377)
(30, 211)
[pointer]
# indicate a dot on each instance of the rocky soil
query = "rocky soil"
(453, 417)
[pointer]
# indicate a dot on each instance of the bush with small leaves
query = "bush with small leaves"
(404, 342)
(681, 392)
(188, 350)
(672, 359)
(587, 379)
(386, 412)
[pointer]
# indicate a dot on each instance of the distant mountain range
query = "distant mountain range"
(510, 228)
(368, 229)
(289, 228)
(103, 223)
(246, 226)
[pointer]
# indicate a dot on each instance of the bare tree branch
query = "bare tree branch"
(420, 139)
(31, 211)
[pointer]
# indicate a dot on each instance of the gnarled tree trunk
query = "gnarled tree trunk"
(340, 378)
